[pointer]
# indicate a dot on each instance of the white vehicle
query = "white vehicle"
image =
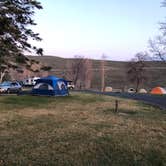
(30, 81)
(10, 87)
(70, 85)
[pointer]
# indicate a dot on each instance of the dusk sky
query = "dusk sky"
(117, 28)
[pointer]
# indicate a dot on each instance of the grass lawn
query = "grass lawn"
(81, 129)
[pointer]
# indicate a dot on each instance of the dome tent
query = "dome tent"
(108, 89)
(158, 91)
(131, 90)
(50, 86)
(142, 91)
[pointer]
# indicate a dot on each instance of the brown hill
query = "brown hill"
(115, 72)
(20, 67)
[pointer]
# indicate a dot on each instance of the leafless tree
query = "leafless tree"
(88, 73)
(75, 70)
(136, 70)
(79, 70)
(158, 48)
(158, 44)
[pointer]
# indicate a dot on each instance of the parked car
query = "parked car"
(10, 87)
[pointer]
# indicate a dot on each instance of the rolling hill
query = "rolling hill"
(115, 72)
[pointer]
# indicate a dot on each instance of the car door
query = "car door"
(12, 87)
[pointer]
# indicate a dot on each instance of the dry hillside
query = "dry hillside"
(21, 67)
(115, 72)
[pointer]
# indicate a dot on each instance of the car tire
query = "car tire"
(19, 91)
(8, 91)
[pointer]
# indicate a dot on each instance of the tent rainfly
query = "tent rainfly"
(50, 86)
(158, 91)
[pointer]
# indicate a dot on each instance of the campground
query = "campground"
(80, 129)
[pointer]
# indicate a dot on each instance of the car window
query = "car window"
(14, 84)
(6, 84)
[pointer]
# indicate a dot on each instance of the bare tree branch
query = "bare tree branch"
(136, 72)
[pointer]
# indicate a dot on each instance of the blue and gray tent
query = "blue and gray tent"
(50, 86)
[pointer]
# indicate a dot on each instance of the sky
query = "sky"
(90, 28)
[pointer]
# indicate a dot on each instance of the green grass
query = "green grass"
(81, 129)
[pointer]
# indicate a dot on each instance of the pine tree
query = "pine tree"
(15, 22)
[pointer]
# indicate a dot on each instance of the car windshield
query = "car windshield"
(6, 83)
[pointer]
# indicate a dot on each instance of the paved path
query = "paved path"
(156, 100)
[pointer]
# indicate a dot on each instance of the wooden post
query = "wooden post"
(103, 73)
(116, 106)
(102, 76)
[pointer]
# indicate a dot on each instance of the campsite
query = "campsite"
(82, 83)
(50, 124)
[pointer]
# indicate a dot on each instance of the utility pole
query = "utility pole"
(103, 73)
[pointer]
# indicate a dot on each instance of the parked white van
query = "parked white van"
(31, 81)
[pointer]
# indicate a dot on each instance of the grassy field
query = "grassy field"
(81, 129)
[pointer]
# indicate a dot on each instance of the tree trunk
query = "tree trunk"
(1, 76)
(137, 85)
